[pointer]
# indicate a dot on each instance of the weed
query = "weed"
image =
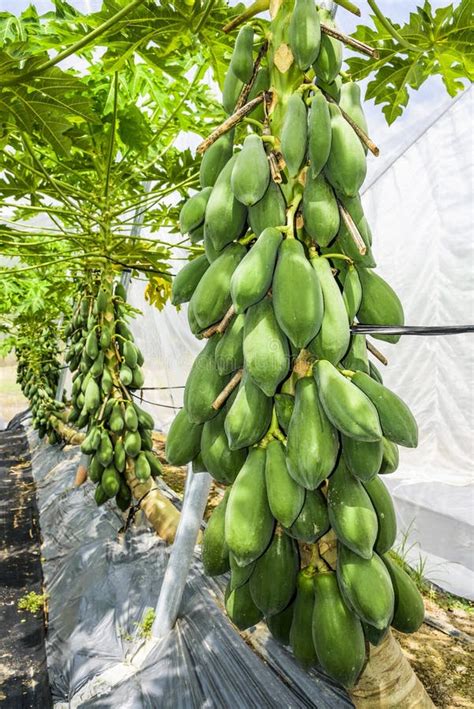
(144, 627)
(32, 602)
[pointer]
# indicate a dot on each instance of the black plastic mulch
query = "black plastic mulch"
(23, 672)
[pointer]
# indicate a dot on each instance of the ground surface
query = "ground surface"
(23, 675)
(12, 400)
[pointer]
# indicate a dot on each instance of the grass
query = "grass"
(145, 625)
(32, 602)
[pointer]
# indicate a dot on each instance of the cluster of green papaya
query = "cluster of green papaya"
(303, 441)
(38, 374)
(107, 367)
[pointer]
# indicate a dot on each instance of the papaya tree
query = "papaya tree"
(283, 405)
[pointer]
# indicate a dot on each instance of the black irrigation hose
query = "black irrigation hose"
(411, 330)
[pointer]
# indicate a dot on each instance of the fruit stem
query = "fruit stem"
(255, 9)
(381, 357)
(347, 373)
(349, 6)
(390, 28)
(290, 214)
(339, 256)
(316, 561)
(254, 122)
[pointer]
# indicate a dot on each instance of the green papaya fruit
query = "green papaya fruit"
(252, 278)
(204, 384)
(366, 587)
(374, 373)
(92, 347)
(192, 322)
(211, 298)
(373, 635)
(98, 366)
(231, 91)
(380, 305)
(320, 210)
(142, 467)
(310, 431)
(279, 624)
(239, 574)
(220, 461)
(270, 211)
(319, 133)
(346, 166)
(92, 441)
(85, 382)
(183, 441)
(248, 522)
(145, 419)
(241, 63)
(249, 416)
(301, 636)
(356, 358)
(352, 292)
(229, 351)
(304, 33)
(332, 341)
(124, 497)
(225, 215)
(108, 409)
(110, 481)
(95, 469)
(338, 636)
(284, 406)
(193, 211)
(251, 171)
(351, 513)
(119, 456)
(116, 422)
(261, 83)
(329, 60)
(346, 406)
(215, 552)
(313, 520)
(102, 301)
(155, 465)
(105, 338)
(99, 495)
(385, 511)
(240, 607)
(285, 496)
(126, 375)
(294, 134)
(196, 235)
(197, 464)
(132, 443)
(106, 382)
(215, 158)
(363, 458)
(273, 581)
(350, 103)
(409, 611)
(146, 440)
(296, 294)
(333, 88)
(266, 352)
(390, 457)
(92, 397)
(138, 378)
(131, 418)
(397, 421)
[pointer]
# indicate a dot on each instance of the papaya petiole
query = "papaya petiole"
(343, 257)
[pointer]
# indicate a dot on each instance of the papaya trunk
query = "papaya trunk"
(388, 680)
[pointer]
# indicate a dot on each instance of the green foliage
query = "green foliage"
(32, 602)
(432, 42)
(145, 625)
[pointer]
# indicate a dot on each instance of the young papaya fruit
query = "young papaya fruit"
(397, 421)
(285, 496)
(310, 431)
(385, 511)
(92, 347)
(261, 83)
(119, 455)
(231, 91)
(319, 133)
(98, 366)
(240, 607)
(253, 276)
(92, 441)
(138, 378)
(294, 134)
(220, 461)
(328, 63)
(333, 88)
(192, 322)
(132, 443)
(110, 481)
(375, 373)
(94, 469)
(296, 294)
(124, 496)
(211, 298)
(346, 165)
(229, 351)
(196, 235)
(304, 33)
(116, 422)
(183, 441)
(280, 624)
(356, 358)
(366, 587)
(142, 467)
(248, 521)
(346, 406)
(239, 574)
(284, 406)
(130, 354)
(351, 513)
(363, 458)
(273, 581)
(373, 635)
(145, 419)
(352, 292)
(350, 103)
(155, 465)
(102, 300)
(409, 610)
(390, 457)
(92, 396)
(99, 495)
(380, 305)
(266, 352)
(215, 552)
(301, 636)
(241, 63)
(313, 520)
(215, 158)
(192, 213)
(131, 418)
(126, 375)
(270, 211)
(338, 636)
(251, 171)
(249, 415)
(204, 384)
(332, 341)
(320, 210)
(225, 215)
